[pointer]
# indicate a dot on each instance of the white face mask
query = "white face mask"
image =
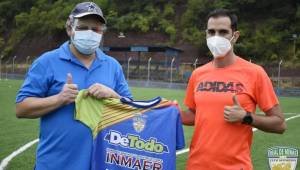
(218, 46)
(86, 42)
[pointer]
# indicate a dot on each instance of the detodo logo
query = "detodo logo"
(135, 142)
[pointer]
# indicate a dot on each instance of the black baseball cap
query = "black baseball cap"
(87, 8)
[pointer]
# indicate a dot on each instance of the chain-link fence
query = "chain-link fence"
(153, 73)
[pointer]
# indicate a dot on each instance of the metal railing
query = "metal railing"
(156, 73)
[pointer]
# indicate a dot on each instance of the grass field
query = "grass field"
(17, 132)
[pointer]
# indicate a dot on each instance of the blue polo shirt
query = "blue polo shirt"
(65, 143)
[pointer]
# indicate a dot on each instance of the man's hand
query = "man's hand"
(99, 91)
(188, 117)
(234, 113)
(69, 91)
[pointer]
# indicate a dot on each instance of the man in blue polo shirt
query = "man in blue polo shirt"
(53, 82)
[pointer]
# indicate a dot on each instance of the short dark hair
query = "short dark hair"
(224, 13)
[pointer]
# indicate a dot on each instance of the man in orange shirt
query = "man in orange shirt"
(222, 96)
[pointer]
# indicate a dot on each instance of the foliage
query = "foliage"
(266, 26)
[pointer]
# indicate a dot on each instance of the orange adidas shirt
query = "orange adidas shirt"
(217, 144)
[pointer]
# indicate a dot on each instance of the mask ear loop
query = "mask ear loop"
(231, 38)
(74, 24)
(231, 44)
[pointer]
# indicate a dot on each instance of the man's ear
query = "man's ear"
(236, 36)
(68, 28)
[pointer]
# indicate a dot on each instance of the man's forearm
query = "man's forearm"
(274, 124)
(33, 107)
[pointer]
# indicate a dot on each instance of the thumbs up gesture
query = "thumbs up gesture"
(234, 113)
(69, 78)
(69, 91)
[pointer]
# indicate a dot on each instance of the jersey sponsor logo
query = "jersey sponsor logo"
(135, 142)
(139, 122)
(219, 86)
(132, 161)
(282, 158)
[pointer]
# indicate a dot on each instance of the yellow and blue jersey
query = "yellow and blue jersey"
(132, 134)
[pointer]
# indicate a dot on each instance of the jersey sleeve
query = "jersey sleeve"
(189, 96)
(180, 143)
(36, 82)
(264, 92)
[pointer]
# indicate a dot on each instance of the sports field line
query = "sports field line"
(6, 160)
(254, 129)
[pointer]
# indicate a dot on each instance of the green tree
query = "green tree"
(266, 26)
